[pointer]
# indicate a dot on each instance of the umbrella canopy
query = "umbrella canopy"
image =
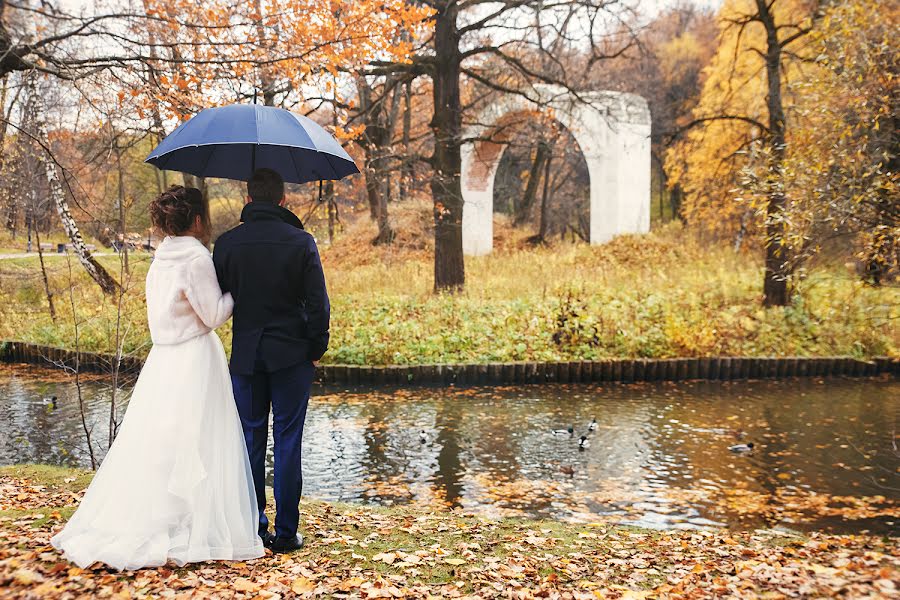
(233, 141)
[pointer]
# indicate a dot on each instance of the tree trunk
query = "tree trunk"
(11, 204)
(385, 231)
(266, 80)
(675, 198)
(661, 184)
(121, 202)
(379, 131)
(446, 189)
(406, 167)
(370, 133)
(157, 128)
(545, 202)
(384, 148)
(371, 187)
(775, 284)
(330, 206)
(523, 210)
(58, 195)
(12, 216)
(37, 236)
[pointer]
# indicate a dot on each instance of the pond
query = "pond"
(825, 451)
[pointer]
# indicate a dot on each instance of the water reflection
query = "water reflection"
(825, 449)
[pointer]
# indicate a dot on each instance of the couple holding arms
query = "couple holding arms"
(185, 478)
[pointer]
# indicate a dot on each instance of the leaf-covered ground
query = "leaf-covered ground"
(365, 552)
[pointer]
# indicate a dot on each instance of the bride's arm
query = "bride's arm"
(206, 297)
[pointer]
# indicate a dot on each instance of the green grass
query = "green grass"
(60, 479)
(665, 294)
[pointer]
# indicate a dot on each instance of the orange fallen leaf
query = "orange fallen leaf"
(245, 585)
(302, 585)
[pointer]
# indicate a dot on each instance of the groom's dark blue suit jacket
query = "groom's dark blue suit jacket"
(271, 267)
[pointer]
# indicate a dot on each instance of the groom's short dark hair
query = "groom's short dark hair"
(266, 186)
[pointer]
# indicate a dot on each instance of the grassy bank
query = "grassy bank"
(359, 551)
(665, 294)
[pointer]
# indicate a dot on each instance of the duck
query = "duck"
(584, 443)
(423, 436)
(593, 425)
(569, 431)
(51, 401)
(567, 469)
(742, 448)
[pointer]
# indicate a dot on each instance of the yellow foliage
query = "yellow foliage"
(707, 162)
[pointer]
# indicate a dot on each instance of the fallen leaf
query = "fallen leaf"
(302, 585)
(245, 585)
(27, 577)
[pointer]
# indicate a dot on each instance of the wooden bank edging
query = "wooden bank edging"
(624, 370)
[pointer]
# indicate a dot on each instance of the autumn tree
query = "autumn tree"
(844, 164)
(665, 66)
(43, 42)
(502, 47)
(169, 59)
(215, 52)
(379, 111)
(780, 36)
(742, 117)
(295, 55)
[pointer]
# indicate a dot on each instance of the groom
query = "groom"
(271, 267)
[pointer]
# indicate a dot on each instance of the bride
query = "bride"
(176, 483)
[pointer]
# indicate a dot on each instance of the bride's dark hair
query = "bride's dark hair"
(176, 209)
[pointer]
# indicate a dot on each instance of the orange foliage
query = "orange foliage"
(216, 52)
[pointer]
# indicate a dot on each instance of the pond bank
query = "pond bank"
(361, 551)
(624, 370)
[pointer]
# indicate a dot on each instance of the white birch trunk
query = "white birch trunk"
(58, 196)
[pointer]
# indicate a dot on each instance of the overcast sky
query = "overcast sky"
(654, 6)
(650, 6)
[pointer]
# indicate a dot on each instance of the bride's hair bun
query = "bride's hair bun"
(176, 209)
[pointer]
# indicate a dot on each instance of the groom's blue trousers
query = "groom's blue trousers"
(286, 391)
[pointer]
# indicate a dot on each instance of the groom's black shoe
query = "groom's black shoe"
(267, 537)
(282, 545)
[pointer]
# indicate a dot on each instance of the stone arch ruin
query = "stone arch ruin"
(613, 131)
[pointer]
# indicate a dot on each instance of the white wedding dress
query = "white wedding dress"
(176, 484)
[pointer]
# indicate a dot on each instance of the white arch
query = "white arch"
(613, 131)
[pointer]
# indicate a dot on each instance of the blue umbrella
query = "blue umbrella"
(233, 141)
